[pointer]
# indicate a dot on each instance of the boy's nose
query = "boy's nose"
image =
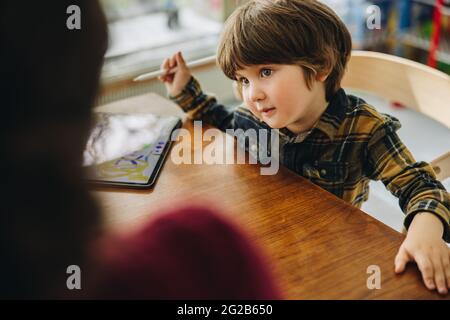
(256, 94)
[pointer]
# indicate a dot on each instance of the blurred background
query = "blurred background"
(143, 32)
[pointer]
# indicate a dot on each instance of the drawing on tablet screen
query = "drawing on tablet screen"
(131, 166)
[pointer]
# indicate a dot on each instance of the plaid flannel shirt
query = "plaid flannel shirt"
(350, 145)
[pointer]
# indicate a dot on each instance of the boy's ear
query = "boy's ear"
(322, 76)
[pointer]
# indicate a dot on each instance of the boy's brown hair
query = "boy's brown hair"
(306, 33)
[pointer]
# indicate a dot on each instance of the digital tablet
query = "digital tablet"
(128, 150)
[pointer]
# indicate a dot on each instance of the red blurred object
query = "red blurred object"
(397, 105)
(436, 31)
(190, 252)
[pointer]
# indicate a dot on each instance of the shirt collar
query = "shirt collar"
(328, 123)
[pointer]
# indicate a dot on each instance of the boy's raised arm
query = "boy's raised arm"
(185, 90)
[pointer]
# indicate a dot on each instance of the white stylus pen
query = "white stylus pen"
(191, 64)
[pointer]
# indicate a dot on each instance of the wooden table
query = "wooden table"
(318, 246)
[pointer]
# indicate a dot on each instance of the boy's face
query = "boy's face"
(278, 95)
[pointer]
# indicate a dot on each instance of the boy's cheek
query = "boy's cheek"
(253, 110)
(249, 106)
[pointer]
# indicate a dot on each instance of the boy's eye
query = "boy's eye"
(243, 81)
(266, 72)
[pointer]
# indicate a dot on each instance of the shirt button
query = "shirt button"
(323, 172)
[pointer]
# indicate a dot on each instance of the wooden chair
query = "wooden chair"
(409, 83)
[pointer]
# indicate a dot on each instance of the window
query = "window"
(144, 32)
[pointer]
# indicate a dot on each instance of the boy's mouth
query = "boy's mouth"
(267, 112)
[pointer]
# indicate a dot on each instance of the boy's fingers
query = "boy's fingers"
(426, 268)
(165, 64)
(446, 267)
(180, 60)
(439, 275)
(167, 78)
(401, 259)
(172, 61)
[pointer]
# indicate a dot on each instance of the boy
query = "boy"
(288, 58)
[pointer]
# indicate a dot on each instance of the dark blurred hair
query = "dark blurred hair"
(49, 79)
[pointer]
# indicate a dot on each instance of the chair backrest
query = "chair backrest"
(410, 83)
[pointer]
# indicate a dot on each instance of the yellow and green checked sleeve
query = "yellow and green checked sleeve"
(413, 183)
(200, 106)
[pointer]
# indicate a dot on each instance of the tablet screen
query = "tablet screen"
(127, 148)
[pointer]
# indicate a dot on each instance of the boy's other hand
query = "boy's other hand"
(424, 245)
(176, 74)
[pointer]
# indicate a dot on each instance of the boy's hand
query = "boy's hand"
(424, 245)
(176, 75)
